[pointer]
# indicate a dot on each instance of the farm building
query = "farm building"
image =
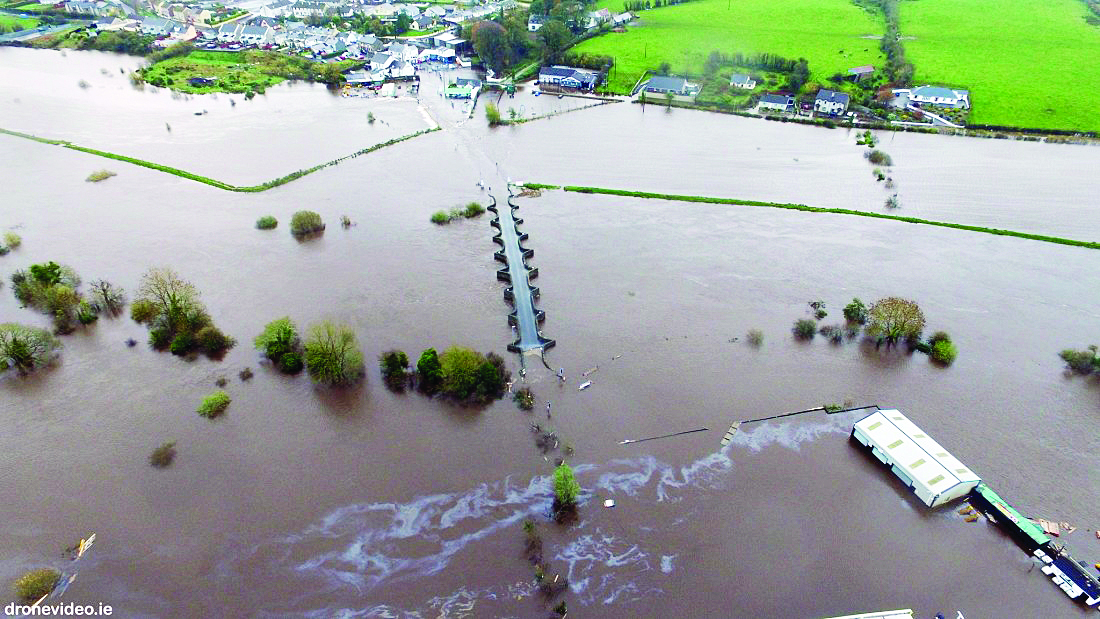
(921, 463)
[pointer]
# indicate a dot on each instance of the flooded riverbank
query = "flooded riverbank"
(303, 501)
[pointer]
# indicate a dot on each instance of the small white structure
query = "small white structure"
(924, 465)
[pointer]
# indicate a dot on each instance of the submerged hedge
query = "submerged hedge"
(213, 182)
(818, 209)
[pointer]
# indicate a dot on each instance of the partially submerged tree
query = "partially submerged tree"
(36, 583)
(280, 343)
(892, 319)
(395, 369)
(176, 317)
(332, 355)
(566, 488)
(429, 372)
(26, 349)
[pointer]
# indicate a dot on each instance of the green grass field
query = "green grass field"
(1027, 63)
(13, 23)
(827, 33)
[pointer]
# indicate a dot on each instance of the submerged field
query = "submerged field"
(1028, 63)
(827, 33)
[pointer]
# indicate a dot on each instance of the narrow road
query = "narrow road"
(524, 317)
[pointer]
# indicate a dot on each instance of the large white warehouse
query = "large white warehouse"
(924, 465)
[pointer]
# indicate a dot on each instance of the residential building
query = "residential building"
(256, 35)
(831, 102)
(938, 95)
(779, 103)
(535, 22)
(228, 33)
(661, 84)
(568, 77)
(740, 80)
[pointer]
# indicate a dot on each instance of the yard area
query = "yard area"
(243, 71)
(1027, 63)
(14, 23)
(827, 33)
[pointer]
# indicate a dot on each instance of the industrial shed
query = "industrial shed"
(924, 465)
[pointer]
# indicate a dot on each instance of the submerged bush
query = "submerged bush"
(143, 311)
(50, 288)
(440, 218)
(429, 372)
(332, 355)
(892, 319)
(525, 398)
(473, 209)
(566, 488)
(291, 363)
(395, 366)
(12, 240)
(212, 341)
(833, 333)
(305, 222)
(1081, 361)
(943, 352)
(107, 298)
(804, 329)
(267, 222)
(855, 312)
(214, 404)
(182, 344)
(756, 338)
(175, 315)
(878, 157)
(26, 349)
(36, 583)
(100, 175)
(162, 456)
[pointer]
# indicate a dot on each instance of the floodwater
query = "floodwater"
(363, 503)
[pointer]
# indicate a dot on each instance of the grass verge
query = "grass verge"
(817, 209)
(213, 182)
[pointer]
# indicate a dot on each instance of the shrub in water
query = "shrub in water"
(214, 404)
(182, 344)
(36, 583)
(937, 337)
(855, 312)
(332, 355)
(429, 372)
(394, 365)
(305, 222)
(291, 363)
(1081, 361)
(473, 209)
(212, 341)
(162, 456)
(525, 398)
(100, 175)
(107, 298)
(160, 339)
(26, 349)
(12, 240)
(440, 218)
(566, 488)
(818, 308)
(833, 333)
(86, 313)
(267, 222)
(756, 338)
(804, 329)
(878, 157)
(944, 352)
(144, 311)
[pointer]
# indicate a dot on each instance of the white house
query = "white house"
(302, 10)
(568, 77)
(831, 102)
(779, 103)
(256, 35)
(922, 464)
(155, 26)
(228, 33)
(938, 95)
(740, 80)
(535, 22)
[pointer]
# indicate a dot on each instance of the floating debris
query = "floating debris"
(584, 385)
(589, 371)
(609, 503)
(651, 438)
(971, 518)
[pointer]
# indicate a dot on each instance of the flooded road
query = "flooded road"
(308, 502)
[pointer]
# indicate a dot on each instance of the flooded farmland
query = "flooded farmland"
(303, 501)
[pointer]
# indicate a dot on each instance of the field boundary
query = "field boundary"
(282, 180)
(818, 209)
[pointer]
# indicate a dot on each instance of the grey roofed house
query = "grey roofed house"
(568, 77)
(742, 81)
(777, 100)
(864, 70)
(665, 83)
(937, 91)
(833, 96)
(423, 21)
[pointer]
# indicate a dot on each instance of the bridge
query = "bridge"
(525, 318)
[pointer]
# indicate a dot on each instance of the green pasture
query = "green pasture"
(12, 23)
(1027, 63)
(827, 33)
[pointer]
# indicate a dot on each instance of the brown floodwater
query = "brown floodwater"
(303, 501)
